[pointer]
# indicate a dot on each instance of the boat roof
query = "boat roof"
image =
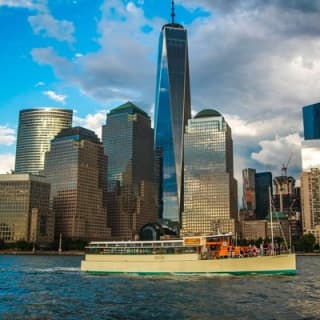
(151, 243)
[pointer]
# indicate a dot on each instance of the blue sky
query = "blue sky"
(256, 62)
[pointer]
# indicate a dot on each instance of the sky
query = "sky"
(256, 62)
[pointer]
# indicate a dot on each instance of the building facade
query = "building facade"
(210, 198)
(75, 166)
(310, 199)
(172, 111)
(24, 209)
(132, 193)
(311, 121)
(263, 187)
(249, 191)
(284, 193)
(36, 128)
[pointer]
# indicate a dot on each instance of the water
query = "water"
(52, 287)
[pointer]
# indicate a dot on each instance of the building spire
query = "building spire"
(172, 11)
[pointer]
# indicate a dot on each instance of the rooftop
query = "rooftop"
(129, 108)
(207, 113)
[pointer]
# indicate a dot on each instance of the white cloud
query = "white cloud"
(39, 84)
(254, 61)
(28, 4)
(46, 25)
(278, 151)
(54, 96)
(7, 136)
(93, 122)
(43, 22)
(6, 162)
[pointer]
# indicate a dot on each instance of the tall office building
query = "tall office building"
(311, 121)
(36, 128)
(263, 190)
(75, 166)
(310, 199)
(310, 147)
(172, 111)
(210, 190)
(24, 209)
(128, 144)
(249, 191)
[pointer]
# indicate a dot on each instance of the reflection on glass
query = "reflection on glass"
(172, 110)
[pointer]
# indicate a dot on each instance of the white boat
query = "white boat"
(192, 255)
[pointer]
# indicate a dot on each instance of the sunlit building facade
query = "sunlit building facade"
(75, 166)
(249, 191)
(310, 199)
(24, 209)
(172, 111)
(210, 190)
(132, 193)
(36, 128)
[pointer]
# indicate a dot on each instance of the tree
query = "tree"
(306, 243)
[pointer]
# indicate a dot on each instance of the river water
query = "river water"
(52, 287)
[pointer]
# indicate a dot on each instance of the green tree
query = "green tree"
(306, 243)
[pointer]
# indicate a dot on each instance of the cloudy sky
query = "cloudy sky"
(257, 62)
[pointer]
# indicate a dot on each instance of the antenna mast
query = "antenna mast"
(172, 11)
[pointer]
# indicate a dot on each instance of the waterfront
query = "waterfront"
(52, 287)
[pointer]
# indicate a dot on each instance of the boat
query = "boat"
(213, 254)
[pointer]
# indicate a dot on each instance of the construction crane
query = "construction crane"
(284, 168)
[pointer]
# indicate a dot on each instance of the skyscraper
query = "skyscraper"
(311, 121)
(263, 187)
(75, 166)
(310, 198)
(310, 146)
(128, 144)
(210, 190)
(249, 190)
(172, 111)
(36, 128)
(24, 209)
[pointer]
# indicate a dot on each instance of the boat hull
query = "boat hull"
(188, 264)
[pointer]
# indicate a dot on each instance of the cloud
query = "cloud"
(43, 23)
(28, 4)
(280, 150)
(39, 84)
(254, 61)
(47, 26)
(54, 96)
(123, 68)
(6, 162)
(7, 136)
(93, 122)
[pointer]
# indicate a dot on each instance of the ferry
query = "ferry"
(202, 255)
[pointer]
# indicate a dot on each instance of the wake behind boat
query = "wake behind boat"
(213, 254)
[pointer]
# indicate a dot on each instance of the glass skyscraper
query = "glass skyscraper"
(128, 144)
(36, 128)
(310, 146)
(210, 190)
(172, 111)
(263, 187)
(311, 121)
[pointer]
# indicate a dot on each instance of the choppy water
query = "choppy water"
(52, 287)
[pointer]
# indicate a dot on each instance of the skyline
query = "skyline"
(263, 59)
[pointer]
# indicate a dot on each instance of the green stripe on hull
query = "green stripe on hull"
(233, 273)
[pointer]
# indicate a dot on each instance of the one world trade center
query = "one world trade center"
(172, 111)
